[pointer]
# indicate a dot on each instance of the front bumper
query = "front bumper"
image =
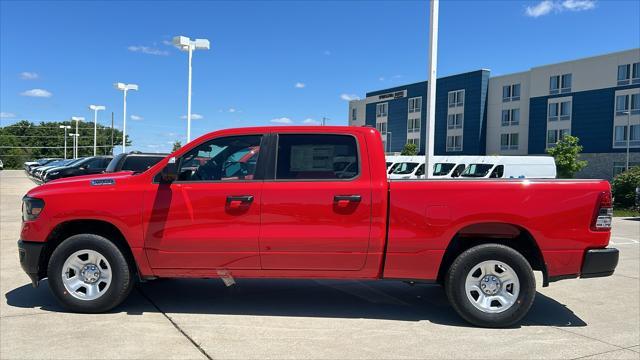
(29, 253)
(599, 262)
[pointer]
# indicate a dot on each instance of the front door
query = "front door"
(209, 218)
(316, 211)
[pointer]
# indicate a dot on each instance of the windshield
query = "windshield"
(477, 170)
(405, 168)
(440, 169)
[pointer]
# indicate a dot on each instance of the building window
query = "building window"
(620, 136)
(382, 128)
(414, 141)
(415, 104)
(623, 103)
(381, 110)
(560, 84)
(511, 92)
(635, 103)
(553, 112)
(454, 143)
(635, 73)
(624, 74)
(553, 136)
(413, 125)
(354, 114)
(510, 117)
(565, 110)
(456, 98)
(509, 141)
(454, 121)
(621, 166)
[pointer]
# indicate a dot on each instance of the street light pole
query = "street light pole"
(124, 88)
(431, 86)
(77, 119)
(628, 135)
(65, 127)
(95, 109)
(186, 44)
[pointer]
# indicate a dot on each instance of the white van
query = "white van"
(394, 160)
(411, 167)
(510, 167)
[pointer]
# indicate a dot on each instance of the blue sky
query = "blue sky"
(271, 62)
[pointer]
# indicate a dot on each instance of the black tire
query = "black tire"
(121, 282)
(465, 262)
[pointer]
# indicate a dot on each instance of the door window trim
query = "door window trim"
(257, 177)
(274, 154)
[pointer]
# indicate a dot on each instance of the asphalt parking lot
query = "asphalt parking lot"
(187, 319)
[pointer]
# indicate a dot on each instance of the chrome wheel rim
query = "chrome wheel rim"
(492, 286)
(86, 275)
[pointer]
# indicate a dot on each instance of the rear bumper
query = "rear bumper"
(599, 262)
(29, 253)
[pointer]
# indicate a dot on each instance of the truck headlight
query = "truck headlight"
(31, 208)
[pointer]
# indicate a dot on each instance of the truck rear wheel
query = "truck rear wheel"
(491, 285)
(88, 273)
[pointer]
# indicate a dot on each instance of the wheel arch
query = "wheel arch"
(514, 236)
(69, 228)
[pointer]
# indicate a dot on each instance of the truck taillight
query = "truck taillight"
(603, 215)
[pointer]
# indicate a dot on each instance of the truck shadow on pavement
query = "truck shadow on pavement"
(387, 300)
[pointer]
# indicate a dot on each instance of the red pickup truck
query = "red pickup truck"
(312, 202)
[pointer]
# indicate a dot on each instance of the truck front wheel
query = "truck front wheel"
(88, 273)
(491, 285)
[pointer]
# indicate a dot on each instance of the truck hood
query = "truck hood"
(82, 182)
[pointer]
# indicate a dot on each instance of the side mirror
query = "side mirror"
(169, 173)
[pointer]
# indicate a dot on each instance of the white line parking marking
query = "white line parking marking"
(618, 240)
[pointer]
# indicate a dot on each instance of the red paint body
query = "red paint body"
(399, 229)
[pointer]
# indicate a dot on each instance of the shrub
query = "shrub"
(409, 149)
(624, 187)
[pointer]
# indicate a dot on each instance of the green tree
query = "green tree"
(24, 141)
(566, 154)
(176, 145)
(624, 187)
(409, 149)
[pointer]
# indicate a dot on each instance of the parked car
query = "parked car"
(40, 162)
(134, 161)
(37, 171)
(269, 202)
(70, 162)
(87, 166)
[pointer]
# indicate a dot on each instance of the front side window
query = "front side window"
(405, 168)
(222, 159)
(477, 170)
(316, 157)
(441, 169)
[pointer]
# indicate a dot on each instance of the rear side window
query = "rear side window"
(140, 163)
(317, 157)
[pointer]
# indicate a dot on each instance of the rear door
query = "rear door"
(316, 206)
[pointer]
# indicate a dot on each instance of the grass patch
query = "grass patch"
(625, 213)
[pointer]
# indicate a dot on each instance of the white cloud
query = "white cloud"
(310, 121)
(37, 93)
(578, 5)
(26, 75)
(167, 42)
(147, 50)
(300, 85)
(193, 116)
(282, 120)
(546, 7)
(136, 117)
(232, 110)
(7, 115)
(349, 97)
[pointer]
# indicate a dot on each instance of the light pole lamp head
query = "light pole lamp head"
(125, 87)
(77, 118)
(202, 44)
(181, 42)
(65, 126)
(96, 107)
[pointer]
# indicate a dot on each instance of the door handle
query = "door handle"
(345, 200)
(235, 201)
